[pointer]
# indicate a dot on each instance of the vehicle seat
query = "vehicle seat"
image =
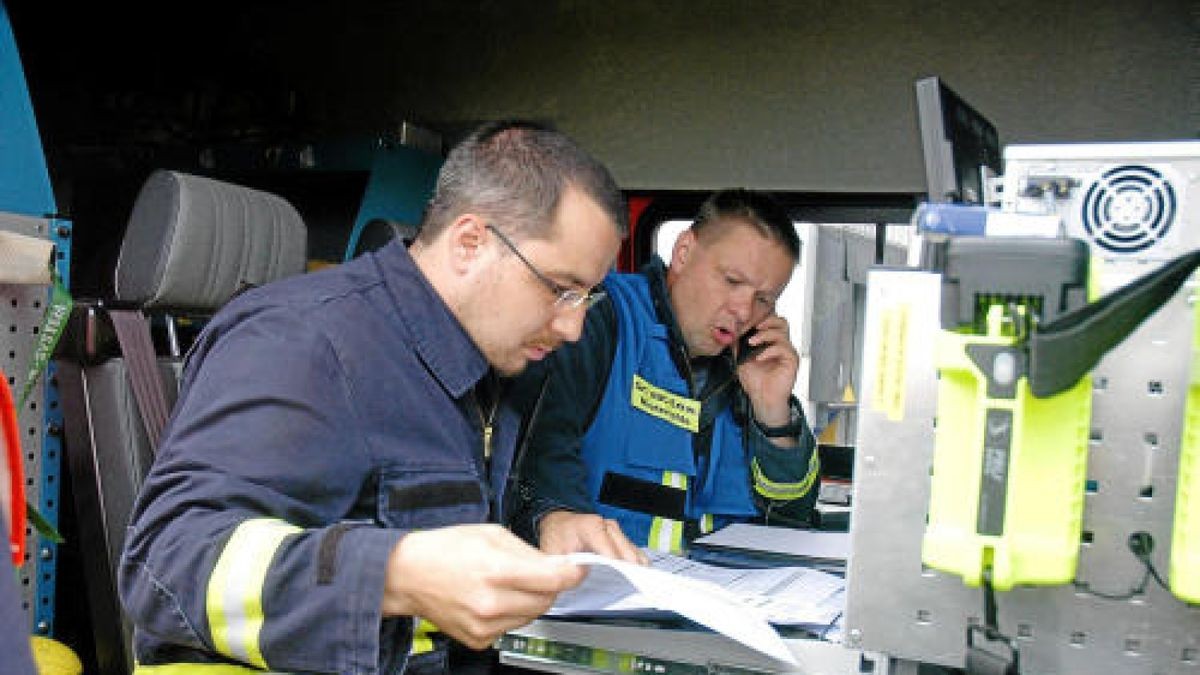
(191, 244)
(374, 234)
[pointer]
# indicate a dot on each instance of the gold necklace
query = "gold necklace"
(487, 424)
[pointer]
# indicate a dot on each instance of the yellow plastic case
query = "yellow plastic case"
(1022, 517)
(1184, 572)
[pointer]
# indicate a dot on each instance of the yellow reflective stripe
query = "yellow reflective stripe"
(786, 491)
(234, 600)
(666, 535)
(422, 641)
(706, 523)
(421, 644)
(196, 669)
(653, 542)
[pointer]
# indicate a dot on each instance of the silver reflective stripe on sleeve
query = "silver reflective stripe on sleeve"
(666, 535)
(234, 599)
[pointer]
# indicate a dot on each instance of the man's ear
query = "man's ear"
(466, 237)
(685, 245)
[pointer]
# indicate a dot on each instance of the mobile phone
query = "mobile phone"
(745, 350)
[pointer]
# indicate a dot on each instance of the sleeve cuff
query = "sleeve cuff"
(793, 428)
(543, 507)
(369, 549)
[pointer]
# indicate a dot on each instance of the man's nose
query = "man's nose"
(741, 303)
(567, 323)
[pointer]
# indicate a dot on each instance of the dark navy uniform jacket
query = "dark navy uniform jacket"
(320, 418)
(15, 626)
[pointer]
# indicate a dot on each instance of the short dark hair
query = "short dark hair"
(515, 172)
(758, 209)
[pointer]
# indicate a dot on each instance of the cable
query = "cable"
(990, 658)
(1141, 545)
(1083, 587)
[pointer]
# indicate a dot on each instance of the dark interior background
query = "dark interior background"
(791, 95)
(813, 98)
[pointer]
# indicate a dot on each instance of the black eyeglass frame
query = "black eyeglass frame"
(564, 297)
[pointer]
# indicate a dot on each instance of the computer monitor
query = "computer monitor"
(959, 145)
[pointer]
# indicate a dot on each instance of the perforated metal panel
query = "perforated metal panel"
(21, 310)
(897, 607)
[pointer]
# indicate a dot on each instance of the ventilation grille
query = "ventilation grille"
(1128, 209)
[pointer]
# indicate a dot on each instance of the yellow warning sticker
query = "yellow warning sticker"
(888, 392)
(679, 410)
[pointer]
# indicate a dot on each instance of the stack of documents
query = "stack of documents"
(761, 545)
(739, 603)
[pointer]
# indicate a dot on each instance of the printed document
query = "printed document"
(800, 544)
(738, 603)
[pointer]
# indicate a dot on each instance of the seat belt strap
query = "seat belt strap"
(133, 334)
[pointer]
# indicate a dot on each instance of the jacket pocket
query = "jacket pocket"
(430, 498)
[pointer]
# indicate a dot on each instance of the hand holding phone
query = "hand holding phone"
(766, 368)
(745, 350)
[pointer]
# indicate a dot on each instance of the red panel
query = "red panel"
(11, 441)
(637, 206)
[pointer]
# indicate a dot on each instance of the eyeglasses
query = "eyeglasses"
(566, 298)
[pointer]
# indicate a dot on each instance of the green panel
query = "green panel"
(1020, 512)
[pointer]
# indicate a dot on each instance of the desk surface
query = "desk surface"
(581, 647)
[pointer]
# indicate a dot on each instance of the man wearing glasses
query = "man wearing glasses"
(321, 496)
(659, 418)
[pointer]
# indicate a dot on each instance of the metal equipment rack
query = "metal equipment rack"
(915, 614)
(21, 310)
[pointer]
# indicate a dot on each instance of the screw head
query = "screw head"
(854, 637)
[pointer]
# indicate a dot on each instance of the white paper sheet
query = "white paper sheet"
(784, 595)
(786, 541)
(737, 603)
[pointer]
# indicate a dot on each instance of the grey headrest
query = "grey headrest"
(192, 242)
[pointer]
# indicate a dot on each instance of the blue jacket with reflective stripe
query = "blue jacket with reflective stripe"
(635, 443)
(339, 402)
(554, 474)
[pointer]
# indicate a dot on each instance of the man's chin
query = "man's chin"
(511, 369)
(706, 350)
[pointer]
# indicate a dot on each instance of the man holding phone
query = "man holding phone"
(674, 414)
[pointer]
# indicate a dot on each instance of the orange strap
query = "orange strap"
(12, 443)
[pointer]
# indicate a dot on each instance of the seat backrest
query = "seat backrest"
(191, 244)
(374, 234)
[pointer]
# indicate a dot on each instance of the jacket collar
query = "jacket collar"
(719, 369)
(438, 338)
(656, 272)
